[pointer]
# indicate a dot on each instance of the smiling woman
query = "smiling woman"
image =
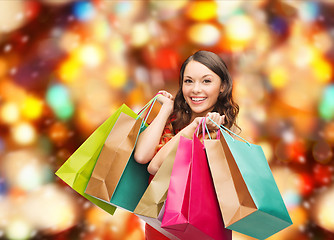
(205, 91)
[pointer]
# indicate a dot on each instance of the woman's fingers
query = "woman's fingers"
(164, 96)
(217, 118)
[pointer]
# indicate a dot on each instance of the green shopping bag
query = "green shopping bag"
(117, 178)
(77, 170)
(248, 196)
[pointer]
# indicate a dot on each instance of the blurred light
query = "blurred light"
(298, 216)
(239, 31)
(226, 9)
(5, 211)
(326, 105)
(69, 41)
(83, 10)
(142, 74)
(23, 133)
(91, 55)
(306, 184)
(139, 35)
(18, 229)
(202, 10)
(278, 77)
(57, 2)
(292, 199)
(118, 224)
(50, 209)
(279, 25)
(117, 77)
(322, 152)
(322, 70)
(329, 132)
(3, 189)
(59, 99)
(32, 108)
(165, 10)
(58, 133)
(117, 45)
(308, 11)
(3, 67)
(324, 210)
(70, 70)
(267, 149)
(101, 30)
(322, 174)
(10, 112)
(25, 169)
(11, 15)
(30, 178)
(322, 41)
(204, 34)
(286, 180)
(165, 58)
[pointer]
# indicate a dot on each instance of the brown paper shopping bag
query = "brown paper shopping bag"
(228, 182)
(155, 195)
(113, 158)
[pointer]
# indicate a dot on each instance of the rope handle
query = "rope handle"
(223, 128)
(147, 105)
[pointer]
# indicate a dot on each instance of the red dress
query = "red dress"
(150, 232)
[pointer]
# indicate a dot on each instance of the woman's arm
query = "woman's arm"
(149, 139)
(188, 131)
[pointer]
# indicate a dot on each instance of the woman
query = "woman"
(205, 90)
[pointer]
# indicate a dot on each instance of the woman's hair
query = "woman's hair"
(225, 104)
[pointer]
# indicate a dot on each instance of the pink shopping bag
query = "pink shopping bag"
(192, 210)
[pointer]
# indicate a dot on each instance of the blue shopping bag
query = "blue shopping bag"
(248, 196)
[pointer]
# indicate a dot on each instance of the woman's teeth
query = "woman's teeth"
(198, 99)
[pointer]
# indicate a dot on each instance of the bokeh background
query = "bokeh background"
(65, 66)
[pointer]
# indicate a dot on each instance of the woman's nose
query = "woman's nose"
(197, 88)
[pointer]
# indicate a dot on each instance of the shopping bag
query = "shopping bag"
(248, 196)
(156, 223)
(117, 178)
(155, 195)
(192, 210)
(78, 168)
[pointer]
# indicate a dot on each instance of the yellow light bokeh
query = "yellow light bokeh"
(204, 34)
(324, 210)
(322, 70)
(9, 112)
(91, 55)
(202, 10)
(23, 133)
(70, 70)
(240, 28)
(278, 77)
(140, 34)
(117, 77)
(32, 108)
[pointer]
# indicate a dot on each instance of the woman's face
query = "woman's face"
(200, 88)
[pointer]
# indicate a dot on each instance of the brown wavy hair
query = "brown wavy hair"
(225, 104)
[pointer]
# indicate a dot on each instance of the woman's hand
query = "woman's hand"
(166, 99)
(217, 118)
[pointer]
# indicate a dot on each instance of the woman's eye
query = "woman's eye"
(187, 81)
(207, 81)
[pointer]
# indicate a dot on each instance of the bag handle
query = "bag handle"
(223, 128)
(147, 105)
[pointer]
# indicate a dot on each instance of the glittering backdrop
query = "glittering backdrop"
(65, 66)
